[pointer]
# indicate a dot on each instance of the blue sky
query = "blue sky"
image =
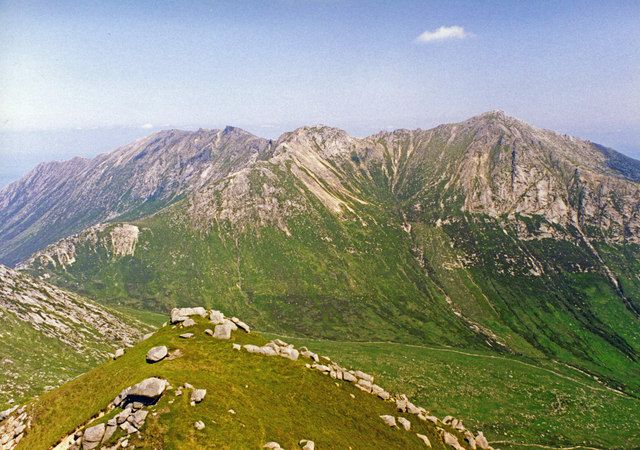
(272, 65)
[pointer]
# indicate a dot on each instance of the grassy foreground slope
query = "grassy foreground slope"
(273, 399)
(511, 400)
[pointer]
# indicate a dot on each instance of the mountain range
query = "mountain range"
(488, 235)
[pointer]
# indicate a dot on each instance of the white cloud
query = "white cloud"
(146, 126)
(443, 34)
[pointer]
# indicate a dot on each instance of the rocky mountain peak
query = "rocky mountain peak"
(322, 139)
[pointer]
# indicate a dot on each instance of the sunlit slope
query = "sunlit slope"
(251, 399)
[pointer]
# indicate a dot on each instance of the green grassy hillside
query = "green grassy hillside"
(511, 400)
(470, 283)
(49, 336)
(272, 398)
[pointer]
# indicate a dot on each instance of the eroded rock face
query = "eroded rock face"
(496, 164)
(124, 238)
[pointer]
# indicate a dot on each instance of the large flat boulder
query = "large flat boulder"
(147, 391)
(182, 314)
(156, 354)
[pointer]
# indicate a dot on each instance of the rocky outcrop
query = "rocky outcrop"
(124, 238)
(14, 423)
(126, 415)
(131, 417)
(181, 314)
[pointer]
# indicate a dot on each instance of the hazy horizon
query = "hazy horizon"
(81, 78)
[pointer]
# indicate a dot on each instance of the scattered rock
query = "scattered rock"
(289, 352)
(216, 317)
(199, 425)
(208, 331)
(401, 403)
(222, 331)
(137, 418)
(306, 444)
(481, 442)
(182, 314)
(468, 437)
(197, 395)
(240, 324)
(307, 354)
(186, 335)
(389, 420)
(348, 376)
(157, 354)
(237, 346)
(148, 390)
(405, 423)
(128, 427)
(93, 436)
(7, 412)
(118, 353)
(365, 385)
(424, 439)
(272, 445)
(364, 376)
(322, 368)
(188, 323)
(450, 440)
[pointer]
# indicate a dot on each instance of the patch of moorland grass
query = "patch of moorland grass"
(510, 400)
(150, 318)
(273, 399)
(31, 361)
(557, 311)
